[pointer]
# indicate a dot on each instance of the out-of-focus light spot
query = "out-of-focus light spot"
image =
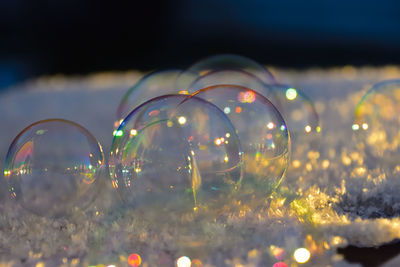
(133, 132)
(170, 123)
(134, 260)
(283, 127)
(116, 124)
(302, 255)
(270, 125)
(280, 264)
(247, 97)
(40, 264)
(182, 120)
(218, 141)
(227, 110)
(90, 167)
(318, 129)
(226, 159)
(196, 263)
(291, 94)
(183, 92)
(112, 265)
(355, 127)
(118, 133)
(277, 252)
(183, 262)
(137, 170)
(238, 109)
(296, 163)
(365, 126)
(227, 135)
(307, 129)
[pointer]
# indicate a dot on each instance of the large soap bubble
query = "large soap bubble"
(175, 154)
(53, 167)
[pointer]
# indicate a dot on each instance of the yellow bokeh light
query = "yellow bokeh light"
(302, 255)
(133, 132)
(183, 262)
(291, 94)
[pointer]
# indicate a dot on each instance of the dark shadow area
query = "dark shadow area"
(371, 256)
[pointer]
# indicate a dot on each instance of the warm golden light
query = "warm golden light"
(365, 126)
(307, 129)
(133, 132)
(302, 255)
(134, 260)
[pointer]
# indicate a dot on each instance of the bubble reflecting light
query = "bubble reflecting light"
(53, 166)
(185, 154)
(376, 124)
(152, 85)
(301, 118)
(262, 132)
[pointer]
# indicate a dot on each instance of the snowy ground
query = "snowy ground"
(329, 197)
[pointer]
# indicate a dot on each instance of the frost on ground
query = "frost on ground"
(330, 197)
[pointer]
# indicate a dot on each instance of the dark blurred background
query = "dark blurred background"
(77, 37)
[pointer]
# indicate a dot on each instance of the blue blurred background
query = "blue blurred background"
(78, 37)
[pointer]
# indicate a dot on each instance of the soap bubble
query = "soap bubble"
(152, 85)
(53, 166)
(174, 154)
(233, 77)
(226, 62)
(301, 118)
(377, 123)
(262, 133)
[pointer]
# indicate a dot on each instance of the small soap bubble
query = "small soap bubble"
(301, 118)
(376, 124)
(53, 166)
(261, 130)
(151, 85)
(175, 155)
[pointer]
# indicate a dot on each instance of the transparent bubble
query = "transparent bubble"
(233, 77)
(377, 123)
(53, 166)
(262, 133)
(173, 154)
(152, 85)
(226, 62)
(301, 118)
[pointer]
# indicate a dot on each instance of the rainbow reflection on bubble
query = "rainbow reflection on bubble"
(53, 166)
(376, 124)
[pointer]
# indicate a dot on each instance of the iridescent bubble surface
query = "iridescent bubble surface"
(231, 62)
(233, 77)
(53, 166)
(173, 154)
(262, 132)
(152, 85)
(377, 124)
(301, 118)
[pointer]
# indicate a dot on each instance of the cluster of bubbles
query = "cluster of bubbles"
(185, 143)
(221, 129)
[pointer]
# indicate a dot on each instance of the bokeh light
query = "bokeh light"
(302, 255)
